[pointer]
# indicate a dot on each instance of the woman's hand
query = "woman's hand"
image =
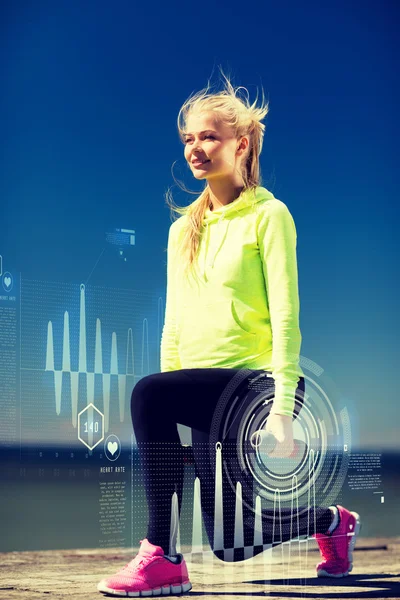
(281, 427)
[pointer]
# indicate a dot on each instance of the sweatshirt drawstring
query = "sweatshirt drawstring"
(212, 253)
(221, 241)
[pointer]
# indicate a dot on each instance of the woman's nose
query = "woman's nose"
(197, 148)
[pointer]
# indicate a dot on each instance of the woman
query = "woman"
(231, 284)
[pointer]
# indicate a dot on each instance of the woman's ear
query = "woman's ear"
(244, 142)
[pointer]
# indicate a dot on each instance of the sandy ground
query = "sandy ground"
(289, 572)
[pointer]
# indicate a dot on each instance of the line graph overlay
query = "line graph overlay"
(80, 345)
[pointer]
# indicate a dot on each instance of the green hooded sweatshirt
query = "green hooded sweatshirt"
(242, 308)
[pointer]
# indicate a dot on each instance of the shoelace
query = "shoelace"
(138, 560)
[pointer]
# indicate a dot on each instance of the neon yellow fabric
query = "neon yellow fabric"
(242, 309)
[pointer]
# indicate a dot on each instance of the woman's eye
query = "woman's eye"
(211, 137)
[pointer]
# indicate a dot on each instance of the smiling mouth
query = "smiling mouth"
(198, 163)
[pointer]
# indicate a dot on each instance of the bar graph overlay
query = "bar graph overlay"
(83, 345)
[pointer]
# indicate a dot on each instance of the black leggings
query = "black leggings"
(189, 397)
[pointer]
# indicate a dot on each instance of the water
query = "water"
(54, 503)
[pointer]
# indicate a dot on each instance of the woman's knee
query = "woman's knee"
(144, 395)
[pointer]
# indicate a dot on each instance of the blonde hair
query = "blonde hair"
(245, 120)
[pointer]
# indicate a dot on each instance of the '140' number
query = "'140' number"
(92, 427)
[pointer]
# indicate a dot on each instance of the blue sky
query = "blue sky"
(90, 96)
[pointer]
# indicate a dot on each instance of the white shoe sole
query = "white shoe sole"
(167, 590)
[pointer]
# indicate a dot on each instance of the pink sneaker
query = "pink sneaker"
(150, 573)
(337, 548)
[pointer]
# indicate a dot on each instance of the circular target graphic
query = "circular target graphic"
(314, 474)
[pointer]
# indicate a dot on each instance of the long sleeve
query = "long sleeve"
(277, 240)
(169, 357)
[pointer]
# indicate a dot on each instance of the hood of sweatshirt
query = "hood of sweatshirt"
(216, 223)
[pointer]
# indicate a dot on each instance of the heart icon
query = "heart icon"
(112, 447)
(7, 281)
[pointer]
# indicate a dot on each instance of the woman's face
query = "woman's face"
(210, 147)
